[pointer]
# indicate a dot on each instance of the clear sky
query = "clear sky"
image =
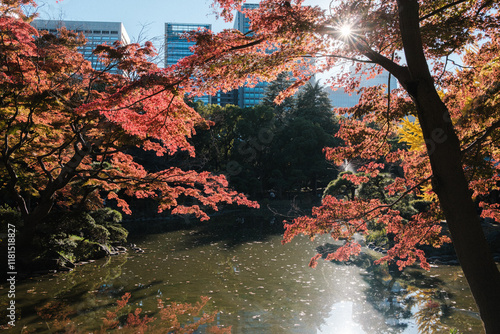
(136, 15)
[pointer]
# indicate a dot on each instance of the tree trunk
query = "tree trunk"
(451, 186)
(31, 218)
(449, 181)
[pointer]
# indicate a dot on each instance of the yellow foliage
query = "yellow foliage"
(411, 134)
(427, 193)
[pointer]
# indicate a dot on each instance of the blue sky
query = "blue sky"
(146, 15)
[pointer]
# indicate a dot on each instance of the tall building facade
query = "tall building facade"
(177, 46)
(95, 32)
(248, 96)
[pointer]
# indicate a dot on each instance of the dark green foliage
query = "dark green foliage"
(285, 108)
(9, 215)
(375, 187)
(101, 226)
(117, 234)
(110, 220)
(298, 146)
(214, 146)
(63, 244)
(341, 187)
(271, 147)
(378, 237)
(314, 105)
(89, 250)
(420, 205)
(78, 235)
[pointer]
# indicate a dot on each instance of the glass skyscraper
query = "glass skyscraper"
(177, 46)
(248, 96)
(95, 32)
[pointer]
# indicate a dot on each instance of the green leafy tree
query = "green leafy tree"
(297, 151)
(313, 103)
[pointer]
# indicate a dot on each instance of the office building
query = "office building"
(248, 96)
(95, 32)
(226, 98)
(177, 46)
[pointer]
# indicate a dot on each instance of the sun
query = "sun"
(345, 30)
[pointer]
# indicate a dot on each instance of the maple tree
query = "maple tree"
(67, 129)
(457, 112)
(45, 85)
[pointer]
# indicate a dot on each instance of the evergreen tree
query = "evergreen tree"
(285, 108)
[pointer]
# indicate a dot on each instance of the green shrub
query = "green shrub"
(9, 215)
(117, 234)
(106, 216)
(378, 237)
(340, 187)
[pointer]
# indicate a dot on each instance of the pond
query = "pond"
(257, 285)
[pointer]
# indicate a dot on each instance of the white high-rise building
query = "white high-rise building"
(95, 32)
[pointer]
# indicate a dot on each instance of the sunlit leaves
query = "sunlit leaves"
(411, 134)
(67, 130)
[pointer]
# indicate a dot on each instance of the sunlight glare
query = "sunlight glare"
(345, 30)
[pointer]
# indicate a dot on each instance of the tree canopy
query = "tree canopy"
(271, 148)
(78, 121)
(417, 42)
(67, 129)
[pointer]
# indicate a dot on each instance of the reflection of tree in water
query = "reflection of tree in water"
(399, 296)
(80, 292)
(89, 279)
(428, 316)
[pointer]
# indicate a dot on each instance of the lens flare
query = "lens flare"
(345, 30)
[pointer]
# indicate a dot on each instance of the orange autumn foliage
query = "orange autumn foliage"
(67, 130)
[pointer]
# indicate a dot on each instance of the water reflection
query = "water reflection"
(258, 285)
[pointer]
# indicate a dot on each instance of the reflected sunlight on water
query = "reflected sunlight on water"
(258, 285)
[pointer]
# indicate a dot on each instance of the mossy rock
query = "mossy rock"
(88, 250)
(117, 234)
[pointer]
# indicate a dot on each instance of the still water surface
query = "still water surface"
(258, 285)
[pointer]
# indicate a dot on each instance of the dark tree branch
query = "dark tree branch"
(439, 10)
(341, 57)
(482, 138)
